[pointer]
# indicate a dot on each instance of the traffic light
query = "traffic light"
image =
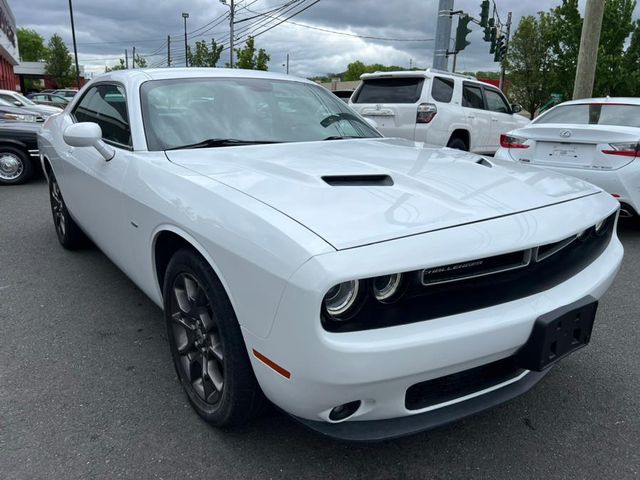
(484, 13)
(462, 32)
(499, 49)
(487, 29)
(494, 33)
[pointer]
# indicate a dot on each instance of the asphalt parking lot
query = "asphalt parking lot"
(88, 391)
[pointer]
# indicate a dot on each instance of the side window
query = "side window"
(496, 102)
(472, 97)
(442, 89)
(106, 105)
(8, 98)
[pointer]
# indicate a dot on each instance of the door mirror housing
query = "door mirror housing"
(17, 103)
(516, 108)
(87, 134)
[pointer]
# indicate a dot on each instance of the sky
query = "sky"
(404, 30)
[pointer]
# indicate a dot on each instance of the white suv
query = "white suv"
(436, 107)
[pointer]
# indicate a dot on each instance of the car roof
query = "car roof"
(604, 100)
(140, 75)
(428, 73)
(8, 91)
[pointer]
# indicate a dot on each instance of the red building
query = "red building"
(8, 47)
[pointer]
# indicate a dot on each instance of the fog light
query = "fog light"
(343, 411)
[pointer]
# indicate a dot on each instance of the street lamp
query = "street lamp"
(75, 49)
(231, 23)
(186, 58)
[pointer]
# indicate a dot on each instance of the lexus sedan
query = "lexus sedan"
(595, 139)
(369, 287)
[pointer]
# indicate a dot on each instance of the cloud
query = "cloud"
(105, 28)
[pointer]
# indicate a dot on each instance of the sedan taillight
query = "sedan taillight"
(511, 141)
(426, 112)
(624, 149)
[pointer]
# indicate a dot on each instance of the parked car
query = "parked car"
(21, 101)
(18, 151)
(48, 99)
(344, 95)
(9, 112)
(369, 287)
(594, 139)
(439, 108)
(66, 92)
(48, 90)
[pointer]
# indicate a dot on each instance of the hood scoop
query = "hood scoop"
(358, 180)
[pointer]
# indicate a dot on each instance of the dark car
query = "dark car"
(49, 99)
(344, 95)
(19, 156)
(68, 93)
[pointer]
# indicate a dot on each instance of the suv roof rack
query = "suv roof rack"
(453, 74)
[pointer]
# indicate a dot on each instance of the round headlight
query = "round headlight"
(341, 298)
(386, 286)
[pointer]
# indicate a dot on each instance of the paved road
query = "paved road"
(87, 390)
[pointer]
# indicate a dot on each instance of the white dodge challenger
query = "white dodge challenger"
(369, 287)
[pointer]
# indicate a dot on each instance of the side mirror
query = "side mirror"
(87, 134)
(371, 122)
(17, 103)
(516, 108)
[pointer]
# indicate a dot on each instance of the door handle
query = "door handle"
(494, 119)
(471, 117)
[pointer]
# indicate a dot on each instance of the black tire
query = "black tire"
(15, 166)
(458, 144)
(69, 233)
(207, 347)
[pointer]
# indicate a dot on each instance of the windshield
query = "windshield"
(194, 111)
(24, 99)
(594, 114)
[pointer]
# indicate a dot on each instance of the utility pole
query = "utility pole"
(186, 57)
(588, 54)
(231, 21)
(443, 34)
(75, 48)
(455, 61)
(506, 49)
(133, 58)
(126, 58)
(168, 50)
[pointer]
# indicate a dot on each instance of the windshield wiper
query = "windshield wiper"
(221, 142)
(340, 137)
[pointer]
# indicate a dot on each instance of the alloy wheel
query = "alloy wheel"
(57, 207)
(196, 338)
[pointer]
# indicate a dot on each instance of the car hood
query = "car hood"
(426, 188)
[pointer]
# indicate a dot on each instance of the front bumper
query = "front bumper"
(378, 366)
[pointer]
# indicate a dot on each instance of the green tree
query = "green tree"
(248, 58)
(203, 55)
(141, 62)
(118, 66)
(31, 45)
(617, 25)
(58, 62)
(357, 68)
(529, 63)
(632, 63)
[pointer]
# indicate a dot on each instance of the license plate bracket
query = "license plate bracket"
(557, 334)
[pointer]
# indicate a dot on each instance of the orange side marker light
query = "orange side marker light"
(271, 364)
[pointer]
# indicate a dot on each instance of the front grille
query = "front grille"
(507, 277)
(443, 389)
